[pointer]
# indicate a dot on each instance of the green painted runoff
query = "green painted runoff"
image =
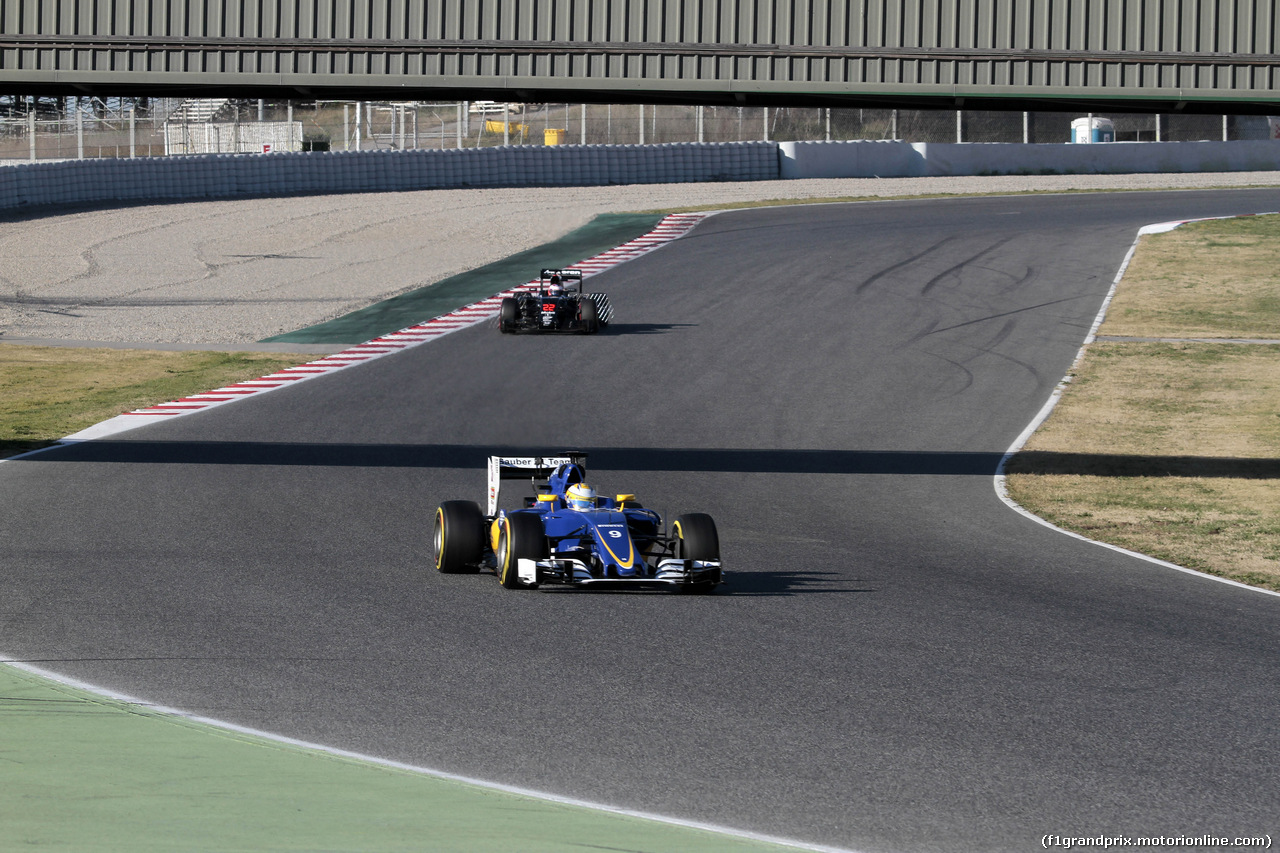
(80, 772)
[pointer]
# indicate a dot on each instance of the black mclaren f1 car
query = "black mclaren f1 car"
(557, 305)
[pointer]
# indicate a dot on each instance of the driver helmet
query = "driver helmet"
(581, 496)
(556, 289)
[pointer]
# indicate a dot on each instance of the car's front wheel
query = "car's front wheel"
(459, 537)
(696, 539)
(508, 315)
(520, 537)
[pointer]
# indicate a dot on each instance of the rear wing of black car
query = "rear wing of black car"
(567, 278)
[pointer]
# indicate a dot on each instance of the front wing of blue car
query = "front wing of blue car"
(669, 572)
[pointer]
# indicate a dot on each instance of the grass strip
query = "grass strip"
(1214, 279)
(48, 393)
(1171, 448)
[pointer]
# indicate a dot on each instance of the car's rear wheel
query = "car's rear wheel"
(589, 314)
(696, 538)
(520, 537)
(604, 309)
(508, 315)
(459, 537)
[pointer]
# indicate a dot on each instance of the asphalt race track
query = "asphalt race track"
(900, 663)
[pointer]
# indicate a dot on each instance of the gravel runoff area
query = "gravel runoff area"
(224, 274)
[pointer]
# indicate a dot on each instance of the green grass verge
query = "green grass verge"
(47, 393)
(1212, 279)
(1172, 449)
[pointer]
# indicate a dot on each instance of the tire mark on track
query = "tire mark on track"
(937, 279)
(901, 264)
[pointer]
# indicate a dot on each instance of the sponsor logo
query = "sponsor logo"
(532, 461)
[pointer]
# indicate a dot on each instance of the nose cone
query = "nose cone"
(616, 549)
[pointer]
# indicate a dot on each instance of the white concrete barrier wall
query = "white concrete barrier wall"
(75, 182)
(104, 181)
(863, 159)
(929, 159)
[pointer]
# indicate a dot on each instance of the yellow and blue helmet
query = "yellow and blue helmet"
(581, 496)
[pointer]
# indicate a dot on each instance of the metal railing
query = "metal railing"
(81, 130)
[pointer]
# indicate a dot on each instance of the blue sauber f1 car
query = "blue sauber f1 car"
(558, 305)
(566, 534)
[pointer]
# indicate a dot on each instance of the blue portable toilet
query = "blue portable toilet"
(1093, 129)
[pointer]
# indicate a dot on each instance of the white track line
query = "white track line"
(1001, 486)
